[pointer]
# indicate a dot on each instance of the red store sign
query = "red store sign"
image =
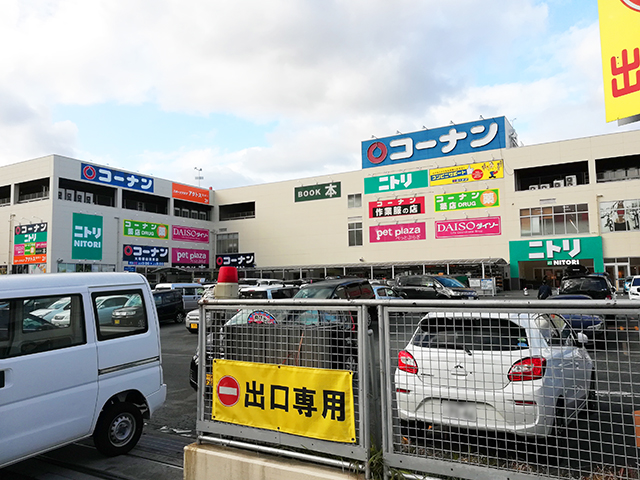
(398, 233)
(468, 227)
(396, 207)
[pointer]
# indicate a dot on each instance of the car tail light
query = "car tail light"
(406, 362)
(531, 368)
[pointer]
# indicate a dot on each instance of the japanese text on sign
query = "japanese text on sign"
(396, 182)
(192, 194)
(311, 402)
(133, 228)
(397, 233)
(467, 200)
(87, 237)
(145, 255)
(485, 134)
(236, 260)
(189, 234)
(317, 192)
(396, 207)
(466, 173)
(468, 227)
(620, 47)
(30, 243)
(116, 178)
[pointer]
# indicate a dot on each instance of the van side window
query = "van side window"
(39, 324)
(120, 313)
(188, 291)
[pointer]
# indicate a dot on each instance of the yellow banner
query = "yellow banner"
(310, 402)
(620, 42)
(466, 173)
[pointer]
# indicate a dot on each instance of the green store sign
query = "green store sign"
(131, 228)
(556, 252)
(396, 182)
(317, 192)
(87, 237)
(467, 200)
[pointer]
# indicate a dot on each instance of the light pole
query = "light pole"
(198, 175)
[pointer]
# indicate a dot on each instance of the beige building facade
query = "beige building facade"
(424, 202)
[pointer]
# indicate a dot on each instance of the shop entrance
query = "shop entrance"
(617, 272)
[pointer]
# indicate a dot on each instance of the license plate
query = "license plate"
(459, 410)
(194, 326)
(116, 322)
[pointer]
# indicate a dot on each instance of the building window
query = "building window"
(554, 220)
(355, 234)
(620, 216)
(226, 243)
(354, 200)
(237, 211)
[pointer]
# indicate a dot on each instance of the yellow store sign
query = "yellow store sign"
(310, 402)
(620, 40)
(466, 173)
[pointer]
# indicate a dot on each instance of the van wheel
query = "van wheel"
(118, 429)
(180, 318)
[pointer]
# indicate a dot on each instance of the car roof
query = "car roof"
(264, 288)
(337, 281)
(522, 319)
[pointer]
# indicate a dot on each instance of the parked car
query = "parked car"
(62, 384)
(191, 292)
(386, 293)
(626, 285)
(593, 326)
(596, 286)
(345, 338)
(53, 308)
(347, 288)
(268, 292)
(520, 373)
(168, 304)
(433, 286)
(634, 288)
(104, 307)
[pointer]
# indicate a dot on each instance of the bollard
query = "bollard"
(526, 292)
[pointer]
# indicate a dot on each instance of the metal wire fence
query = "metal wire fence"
(507, 389)
(467, 389)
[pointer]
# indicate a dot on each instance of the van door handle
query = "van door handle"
(1, 378)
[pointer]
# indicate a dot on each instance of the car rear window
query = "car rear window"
(471, 334)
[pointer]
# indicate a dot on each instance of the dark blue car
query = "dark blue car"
(591, 325)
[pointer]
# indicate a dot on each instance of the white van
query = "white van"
(191, 292)
(86, 377)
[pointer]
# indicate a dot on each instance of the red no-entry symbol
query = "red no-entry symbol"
(633, 4)
(228, 390)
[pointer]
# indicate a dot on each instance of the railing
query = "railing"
(491, 388)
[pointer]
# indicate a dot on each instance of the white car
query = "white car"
(519, 373)
(634, 288)
(54, 308)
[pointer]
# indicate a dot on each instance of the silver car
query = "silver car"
(519, 373)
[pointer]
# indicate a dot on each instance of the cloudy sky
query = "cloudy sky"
(256, 91)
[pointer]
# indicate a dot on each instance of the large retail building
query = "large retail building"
(461, 200)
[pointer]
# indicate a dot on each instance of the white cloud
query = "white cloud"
(329, 74)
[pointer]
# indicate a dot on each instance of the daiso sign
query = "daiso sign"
(398, 233)
(188, 256)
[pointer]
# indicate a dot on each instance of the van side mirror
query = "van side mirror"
(582, 338)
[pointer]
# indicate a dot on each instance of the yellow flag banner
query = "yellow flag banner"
(466, 173)
(620, 42)
(310, 402)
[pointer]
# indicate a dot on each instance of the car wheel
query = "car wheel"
(118, 429)
(180, 317)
